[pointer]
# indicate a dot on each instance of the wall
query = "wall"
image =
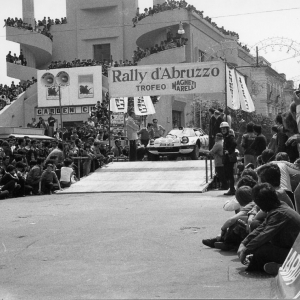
(13, 115)
(20, 72)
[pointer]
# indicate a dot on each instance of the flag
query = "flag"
(233, 100)
(119, 105)
(143, 106)
(245, 97)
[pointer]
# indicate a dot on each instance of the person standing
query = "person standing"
(51, 122)
(132, 129)
(219, 119)
(159, 131)
(229, 157)
(217, 152)
(247, 140)
(145, 134)
(212, 121)
(260, 142)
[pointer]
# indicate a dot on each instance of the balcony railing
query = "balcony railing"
(170, 56)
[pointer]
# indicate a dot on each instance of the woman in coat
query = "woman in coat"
(229, 146)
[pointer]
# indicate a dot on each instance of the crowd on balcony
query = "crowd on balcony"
(170, 43)
(9, 93)
(18, 60)
(40, 26)
(171, 5)
(77, 63)
(245, 47)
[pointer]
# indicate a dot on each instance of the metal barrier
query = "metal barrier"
(206, 168)
(80, 159)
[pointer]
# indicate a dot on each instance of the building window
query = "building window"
(176, 118)
(102, 52)
(201, 57)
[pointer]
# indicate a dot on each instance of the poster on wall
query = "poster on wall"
(52, 93)
(85, 86)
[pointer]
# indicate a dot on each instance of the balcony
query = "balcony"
(38, 45)
(170, 56)
(20, 72)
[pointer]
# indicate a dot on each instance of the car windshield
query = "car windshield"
(181, 133)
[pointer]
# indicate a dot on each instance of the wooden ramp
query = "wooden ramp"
(185, 176)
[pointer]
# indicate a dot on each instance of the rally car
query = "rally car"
(178, 142)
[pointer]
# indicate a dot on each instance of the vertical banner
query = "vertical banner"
(119, 105)
(143, 106)
(288, 278)
(233, 99)
(245, 97)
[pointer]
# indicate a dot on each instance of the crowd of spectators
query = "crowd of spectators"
(40, 26)
(32, 167)
(9, 93)
(181, 4)
(19, 60)
(77, 63)
(266, 202)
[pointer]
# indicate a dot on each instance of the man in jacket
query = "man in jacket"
(212, 122)
(247, 140)
(270, 242)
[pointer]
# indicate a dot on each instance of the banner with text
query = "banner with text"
(233, 99)
(245, 97)
(153, 80)
(288, 278)
(119, 105)
(143, 106)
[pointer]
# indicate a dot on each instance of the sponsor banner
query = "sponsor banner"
(119, 105)
(143, 106)
(233, 100)
(288, 278)
(117, 120)
(153, 80)
(245, 97)
(65, 110)
(84, 86)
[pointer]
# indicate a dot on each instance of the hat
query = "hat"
(224, 124)
(244, 195)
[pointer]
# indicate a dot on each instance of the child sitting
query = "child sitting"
(66, 173)
(48, 179)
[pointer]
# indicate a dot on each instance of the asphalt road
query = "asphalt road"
(119, 246)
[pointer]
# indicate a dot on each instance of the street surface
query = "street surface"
(146, 176)
(119, 246)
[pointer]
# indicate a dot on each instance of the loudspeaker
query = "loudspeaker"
(47, 80)
(63, 78)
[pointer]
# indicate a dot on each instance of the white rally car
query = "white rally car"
(178, 142)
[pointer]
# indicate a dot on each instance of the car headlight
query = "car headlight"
(184, 140)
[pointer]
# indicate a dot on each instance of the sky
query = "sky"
(255, 21)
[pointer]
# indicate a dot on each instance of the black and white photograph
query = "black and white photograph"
(149, 149)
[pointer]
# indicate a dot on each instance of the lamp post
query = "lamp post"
(60, 80)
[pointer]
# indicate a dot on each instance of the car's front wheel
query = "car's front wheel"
(195, 154)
